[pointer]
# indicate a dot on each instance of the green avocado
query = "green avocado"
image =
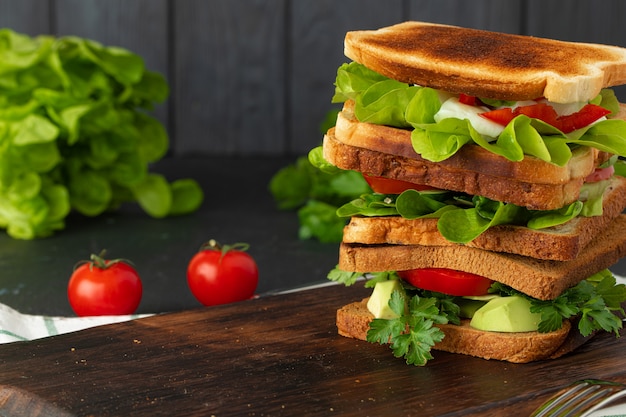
(378, 304)
(506, 314)
(469, 304)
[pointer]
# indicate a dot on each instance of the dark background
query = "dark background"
(250, 83)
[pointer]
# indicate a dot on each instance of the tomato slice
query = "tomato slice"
(447, 281)
(601, 174)
(501, 116)
(392, 186)
(469, 100)
(541, 111)
(585, 116)
(546, 113)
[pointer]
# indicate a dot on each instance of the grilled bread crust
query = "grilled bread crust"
(353, 321)
(386, 151)
(488, 64)
(560, 243)
(541, 279)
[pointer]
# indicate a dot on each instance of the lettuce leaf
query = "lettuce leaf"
(75, 134)
(384, 101)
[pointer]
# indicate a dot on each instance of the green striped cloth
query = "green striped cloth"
(15, 326)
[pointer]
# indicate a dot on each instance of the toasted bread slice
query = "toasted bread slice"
(541, 279)
(488, 64)
(353, 321)
(386, 151)
(559, 243)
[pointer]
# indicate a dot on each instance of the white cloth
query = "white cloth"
(15, 326)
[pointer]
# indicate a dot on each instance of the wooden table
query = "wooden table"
(276, 355)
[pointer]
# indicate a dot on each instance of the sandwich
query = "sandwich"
(496, 207)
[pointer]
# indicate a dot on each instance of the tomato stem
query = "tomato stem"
(215, 245)
(100, 262)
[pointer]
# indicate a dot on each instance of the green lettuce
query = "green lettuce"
(462, 218)
(75, 134)
(383, 101)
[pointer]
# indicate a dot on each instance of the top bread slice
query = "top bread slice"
(488, 64)
(386, 151)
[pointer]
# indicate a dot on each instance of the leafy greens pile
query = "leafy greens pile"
(315, 189)
(75, 134)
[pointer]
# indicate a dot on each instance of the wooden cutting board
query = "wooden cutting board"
(278, 355)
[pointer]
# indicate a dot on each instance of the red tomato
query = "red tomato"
(542, 111)
(221, 275)
(469, 100)
(391, 186)
(501, 116)
(585, 116)
(102, 287)
(447, 281)
(600, 174)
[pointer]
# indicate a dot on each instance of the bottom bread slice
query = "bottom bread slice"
(353, 321)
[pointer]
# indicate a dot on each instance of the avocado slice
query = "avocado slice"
(378, 304)
(506, 314)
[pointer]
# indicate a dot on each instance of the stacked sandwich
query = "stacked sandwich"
(496, 208)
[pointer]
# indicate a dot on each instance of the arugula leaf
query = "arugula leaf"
(412, 335)
(462, 219)
(72, 119)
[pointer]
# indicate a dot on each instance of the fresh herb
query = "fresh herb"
(350, 278)
(75, 134)
(413, 334)
(596, 300)
(315, 189)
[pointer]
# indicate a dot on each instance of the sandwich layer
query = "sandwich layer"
(470, 158)
(488, 64)
(353, 321)
(541, 279)
(385, 151)
(560, 243)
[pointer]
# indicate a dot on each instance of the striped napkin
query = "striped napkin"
(15, 326)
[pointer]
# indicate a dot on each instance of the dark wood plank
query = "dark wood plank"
(230, 76)
(482, 14)
(140, 26)
(278, 355)
(31, 17)
(580, 21)
(317, 30)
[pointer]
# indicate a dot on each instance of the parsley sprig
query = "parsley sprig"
(413, 334)
(596, 300)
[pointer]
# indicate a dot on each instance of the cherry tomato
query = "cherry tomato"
(447, 281)
(104, 287)
(601, 174)
(391, 186)
(222, 274)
